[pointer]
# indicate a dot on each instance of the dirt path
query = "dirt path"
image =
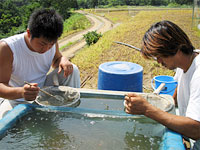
(99, 24)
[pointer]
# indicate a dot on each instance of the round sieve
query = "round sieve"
(159, 101)
(65, 96)
(162, 102)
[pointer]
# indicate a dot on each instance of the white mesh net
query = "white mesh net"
(159, 101)
(65, 96)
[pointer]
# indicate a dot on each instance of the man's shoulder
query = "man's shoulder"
(5, 51)
(12, 41)
(13, 38)
(4, 46)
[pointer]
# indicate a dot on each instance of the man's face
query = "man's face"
(168, 62)
(40, 45)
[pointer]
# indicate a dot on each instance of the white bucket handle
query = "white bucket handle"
(164, 87)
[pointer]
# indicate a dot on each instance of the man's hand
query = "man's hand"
(30, 92)
(66, 66)
(135, 104)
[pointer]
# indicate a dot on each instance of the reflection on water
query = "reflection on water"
(145, 136)
(65, 131)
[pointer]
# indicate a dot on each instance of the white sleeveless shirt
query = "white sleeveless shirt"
(28, 65)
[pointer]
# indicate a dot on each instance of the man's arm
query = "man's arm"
(57, 57)
(184, 125)
(62, 63)
(6, 91)
(175, 97)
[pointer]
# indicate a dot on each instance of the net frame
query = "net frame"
(65, 91)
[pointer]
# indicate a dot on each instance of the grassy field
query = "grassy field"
(76, 22)
(131, 31)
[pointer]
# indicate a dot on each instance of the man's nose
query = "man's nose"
(159, 60)
(47, 47)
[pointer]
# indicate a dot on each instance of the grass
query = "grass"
(131, 31)
(67, 45)
(75, 23)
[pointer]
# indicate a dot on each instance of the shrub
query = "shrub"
(91, 37)
(174, 5)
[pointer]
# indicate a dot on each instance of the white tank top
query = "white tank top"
(28, 65)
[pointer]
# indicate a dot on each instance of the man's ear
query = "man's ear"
(179, 52)
(28, 32)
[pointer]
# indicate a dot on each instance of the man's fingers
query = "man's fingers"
(31, 87)
(30, 95)
(131, 94)
(127, 98)
(31, 92)
(59, 69)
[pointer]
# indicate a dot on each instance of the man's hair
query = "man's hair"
(164, 39)
(46, 23)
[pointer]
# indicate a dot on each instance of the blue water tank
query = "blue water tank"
(120, 76)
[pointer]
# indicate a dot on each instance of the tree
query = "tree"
(181, 2)
(27, 10)
(62, 6)
(9, 16)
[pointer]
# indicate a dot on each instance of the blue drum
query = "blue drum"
(120, 76)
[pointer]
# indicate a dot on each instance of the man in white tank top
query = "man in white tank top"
(29, 56)
(173, 49)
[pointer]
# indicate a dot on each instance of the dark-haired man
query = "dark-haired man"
(29, 56)
(171, 46)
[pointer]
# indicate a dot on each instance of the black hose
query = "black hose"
(131, 46)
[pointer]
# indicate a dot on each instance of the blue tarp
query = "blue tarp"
(172, 141)
(9, 120)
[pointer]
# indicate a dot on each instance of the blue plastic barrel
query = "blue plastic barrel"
(120, 76)
(170, 84)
